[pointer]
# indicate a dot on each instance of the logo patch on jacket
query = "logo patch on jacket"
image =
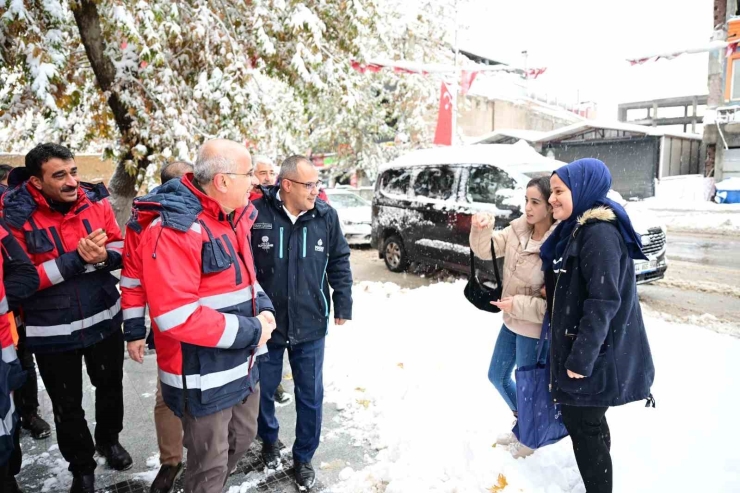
(265, 245)
(262, 226)
(320, 246)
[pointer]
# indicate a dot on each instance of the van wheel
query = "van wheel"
(395, 255)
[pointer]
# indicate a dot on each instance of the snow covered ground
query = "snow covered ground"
(698, 216)
(409, 374)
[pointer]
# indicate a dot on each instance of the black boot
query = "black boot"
(116, 455)
(281, 396)
(10, 485)
(83, 483)
(166, 477)
(271, 455)
(305, 477)
(39, 428)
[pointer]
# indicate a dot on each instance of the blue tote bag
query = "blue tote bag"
(539, 422)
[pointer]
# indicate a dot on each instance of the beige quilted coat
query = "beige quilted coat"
(522, 275)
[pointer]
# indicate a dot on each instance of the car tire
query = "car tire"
(394, 254)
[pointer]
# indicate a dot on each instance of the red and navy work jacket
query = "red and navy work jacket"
(76, 305)
(11, 374)
(198, 278)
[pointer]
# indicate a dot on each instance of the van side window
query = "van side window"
(396, 181)
(489, 185)
(435, 183)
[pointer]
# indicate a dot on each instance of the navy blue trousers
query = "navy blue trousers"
(307, 364)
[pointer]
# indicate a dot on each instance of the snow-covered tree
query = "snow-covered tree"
(146, 82)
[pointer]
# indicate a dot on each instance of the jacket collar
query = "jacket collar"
(20, 203)
(173, 202)
(597, 214)
(523, 232)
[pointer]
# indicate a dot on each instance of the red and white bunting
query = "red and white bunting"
(533, 73)
(729, 48)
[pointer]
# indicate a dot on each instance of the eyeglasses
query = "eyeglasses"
(250, 174)
(310, 185)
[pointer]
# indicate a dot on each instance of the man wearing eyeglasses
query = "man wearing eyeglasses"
(299, 251)
(209, 315)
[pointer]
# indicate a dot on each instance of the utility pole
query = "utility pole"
(711, 152)
(525, 54)
(456, 79)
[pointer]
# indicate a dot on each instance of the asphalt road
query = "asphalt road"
(702, 284)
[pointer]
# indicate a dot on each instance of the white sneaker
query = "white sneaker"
(519, 451)
(506, 438)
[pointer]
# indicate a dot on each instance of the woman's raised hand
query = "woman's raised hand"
(482, 220)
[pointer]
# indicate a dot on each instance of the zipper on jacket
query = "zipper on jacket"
(321, 290)
(554, 296)
(281, 242)
(304, 241)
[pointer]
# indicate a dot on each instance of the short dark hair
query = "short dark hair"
(543, 185)
(290, 165)
(42, 153)
(173, 170)
(5, 171)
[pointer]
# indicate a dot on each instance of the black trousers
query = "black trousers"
(11, 468)
(62, 376)
(589, 431)
(27, 397)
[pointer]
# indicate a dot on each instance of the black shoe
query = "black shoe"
(282, 397)
(271, 455)
(83, 484)
(166, 477)
(116, 455)
(305, 477)
(10, 485)
(39, 428)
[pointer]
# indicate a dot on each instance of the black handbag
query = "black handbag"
(478, 293)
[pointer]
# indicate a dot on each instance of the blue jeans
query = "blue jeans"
(511, 350)
(307, 363)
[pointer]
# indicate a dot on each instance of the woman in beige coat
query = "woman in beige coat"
(522, 303)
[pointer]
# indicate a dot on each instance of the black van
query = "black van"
(424, 201)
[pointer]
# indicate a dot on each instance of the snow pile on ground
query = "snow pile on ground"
(149, 476)
(691, 215)
(409, 374)
(57, 477)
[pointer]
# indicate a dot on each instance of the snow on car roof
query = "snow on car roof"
(519, 155)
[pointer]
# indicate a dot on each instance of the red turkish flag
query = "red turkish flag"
(466, 80)
(443, 135)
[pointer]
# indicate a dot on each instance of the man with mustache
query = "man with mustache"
(69, 231)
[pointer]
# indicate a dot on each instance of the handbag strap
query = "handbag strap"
(495, 264)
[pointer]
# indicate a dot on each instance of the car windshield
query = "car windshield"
(347, 200)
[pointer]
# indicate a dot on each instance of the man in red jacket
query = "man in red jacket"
(209, 315)
(69, 231)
